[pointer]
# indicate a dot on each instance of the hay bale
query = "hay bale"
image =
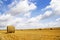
(40, 29)
(51, 28)
(10, 29)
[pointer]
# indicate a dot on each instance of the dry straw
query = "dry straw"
(10, 29)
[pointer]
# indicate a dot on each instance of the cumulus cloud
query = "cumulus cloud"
(19, 15)
(22, 7)
(55, 6)
(46, 15)
(11, 20)
(55, 11)
(12, 16)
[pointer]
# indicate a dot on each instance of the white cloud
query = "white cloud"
(22, 7)
(13, 4)
(55, 6)
(46, 15)
(11, 20)
(55, 11)
(26, 22)
(58, 19)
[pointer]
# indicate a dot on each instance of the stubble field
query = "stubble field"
(32, 34)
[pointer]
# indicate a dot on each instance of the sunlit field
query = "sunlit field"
(31, 34)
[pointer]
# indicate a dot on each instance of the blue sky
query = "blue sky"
(39, 3)
(26, 13)
(4, 5)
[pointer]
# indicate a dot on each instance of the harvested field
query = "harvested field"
(35, 34)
